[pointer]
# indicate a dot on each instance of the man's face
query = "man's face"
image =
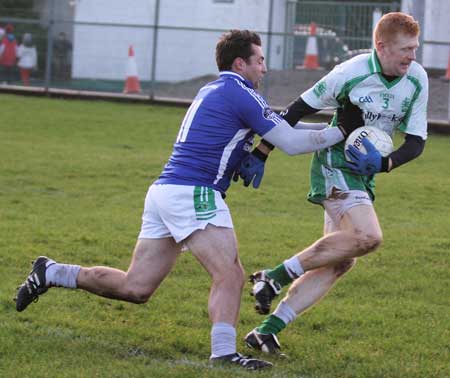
(255, 69)
(396, 56)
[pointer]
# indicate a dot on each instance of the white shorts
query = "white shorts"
(179, 210)
(340, 203)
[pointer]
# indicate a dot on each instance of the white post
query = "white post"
(448, 102)
(376, 15)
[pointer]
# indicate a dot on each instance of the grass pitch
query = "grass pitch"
(73, 177)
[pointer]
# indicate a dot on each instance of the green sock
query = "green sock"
(272, 324)
(280, 275)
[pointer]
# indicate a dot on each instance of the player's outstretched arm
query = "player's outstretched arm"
(301, 141)
(252, 167)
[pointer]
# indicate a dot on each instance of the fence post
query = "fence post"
(48, 65)
(288, 38)
(269, 47)
(154, 50)
(448, 102)
(376, 15)
(416, 9)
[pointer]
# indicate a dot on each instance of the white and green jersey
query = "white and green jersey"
(400, 104)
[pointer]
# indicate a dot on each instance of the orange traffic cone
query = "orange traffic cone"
(447, 75)
(132, 81)
(311, 61)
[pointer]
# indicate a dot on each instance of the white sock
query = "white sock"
(223, 339)
(293, 267)
(285, 312)
(64, 275)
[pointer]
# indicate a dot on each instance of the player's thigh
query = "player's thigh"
(362, 219)
(329, 224)
(353, 211)
(152, 261)
(215, 248)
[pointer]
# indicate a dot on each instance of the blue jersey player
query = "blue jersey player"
(185, 206)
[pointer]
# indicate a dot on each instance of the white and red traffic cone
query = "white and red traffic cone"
(132, 84)
(311, 61)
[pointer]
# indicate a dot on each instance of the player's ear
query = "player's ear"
(238, 64)
(380, 46)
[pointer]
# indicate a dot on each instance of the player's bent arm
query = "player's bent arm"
(409, 150)
(299, 141)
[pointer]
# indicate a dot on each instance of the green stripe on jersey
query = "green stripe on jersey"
(415, 81)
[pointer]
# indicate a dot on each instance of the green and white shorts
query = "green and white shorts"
(179, 210)
(329, 175)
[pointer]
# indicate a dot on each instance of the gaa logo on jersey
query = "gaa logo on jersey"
(365, 100)
(269, 114)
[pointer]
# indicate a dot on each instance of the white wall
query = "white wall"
(101, 51)
(435, 27)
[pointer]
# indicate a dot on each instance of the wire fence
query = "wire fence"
(82, 47)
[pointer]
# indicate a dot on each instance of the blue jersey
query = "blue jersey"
(217, 132)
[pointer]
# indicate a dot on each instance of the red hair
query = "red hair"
(394, 23)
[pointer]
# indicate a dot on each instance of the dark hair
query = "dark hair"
(235, 44)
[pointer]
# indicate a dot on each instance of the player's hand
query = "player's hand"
(364, 164)
(349, 118)
(251, 169)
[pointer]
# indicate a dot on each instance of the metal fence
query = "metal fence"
(78, 51)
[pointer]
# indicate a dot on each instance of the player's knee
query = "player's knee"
(233, 276)
(238, 275)
(138, 292)
(344, 266)
(367, 242)
(138, 295)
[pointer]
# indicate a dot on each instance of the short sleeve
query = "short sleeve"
(325, 92)
(415, 121)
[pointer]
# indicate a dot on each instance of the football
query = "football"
(379, 138)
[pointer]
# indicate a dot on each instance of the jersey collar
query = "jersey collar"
(374, 63)
(231, 74)
(375, 67)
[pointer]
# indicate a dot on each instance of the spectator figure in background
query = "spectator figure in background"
(27, 55)
(8, 54)
(62, 49)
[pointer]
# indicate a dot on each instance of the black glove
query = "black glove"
(349, 118)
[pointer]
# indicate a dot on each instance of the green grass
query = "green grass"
(73, 177)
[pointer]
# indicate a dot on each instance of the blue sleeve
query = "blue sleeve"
(251, 108)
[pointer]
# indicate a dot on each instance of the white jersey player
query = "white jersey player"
(385, 89)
